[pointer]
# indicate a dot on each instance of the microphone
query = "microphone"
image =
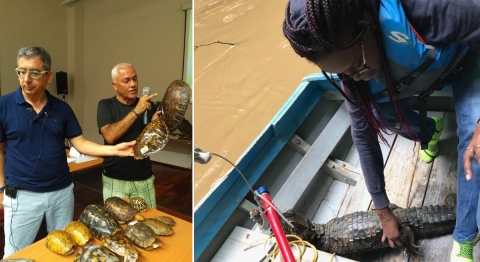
(146, 91)
(46, 114)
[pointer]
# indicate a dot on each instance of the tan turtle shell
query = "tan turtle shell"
(79, 232)
(60, 242)
(159, 227)
(166, 220)
(142, 235)
(175, 103)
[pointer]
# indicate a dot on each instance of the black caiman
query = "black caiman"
(362, 231)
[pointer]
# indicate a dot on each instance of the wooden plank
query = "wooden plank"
(247, 245)
(443, 181)
(348, 166)
(313, 160)
(399, 171)
(360, 199)
(422, 172)
(331, 202)
(345, 203)
(340, 173)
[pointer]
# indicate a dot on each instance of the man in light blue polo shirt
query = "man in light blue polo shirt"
(34, 173)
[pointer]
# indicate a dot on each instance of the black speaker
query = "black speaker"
(62, 83)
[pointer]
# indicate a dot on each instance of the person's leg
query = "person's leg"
(23, 216)
(146, 190)
(466, 94)
(388, 113)
(59, 210)
(114, 187)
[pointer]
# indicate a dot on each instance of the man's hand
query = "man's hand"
(390, 225)
(473, 151)
(144, 103)
(125, 148)
(156, 115)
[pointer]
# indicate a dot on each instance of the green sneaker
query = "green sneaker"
(462, 252)
(431, 152)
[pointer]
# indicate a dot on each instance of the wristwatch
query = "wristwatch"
(2, 188)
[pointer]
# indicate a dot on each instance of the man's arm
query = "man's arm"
(112, 132)
(88, 147)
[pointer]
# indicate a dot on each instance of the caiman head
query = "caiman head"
(302, 226)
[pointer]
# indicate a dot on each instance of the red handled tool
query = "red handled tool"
(277, 229)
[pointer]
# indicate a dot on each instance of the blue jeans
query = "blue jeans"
(466, 95)
(389, 115)
(24, 215)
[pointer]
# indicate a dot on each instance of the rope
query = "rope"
(297, 242)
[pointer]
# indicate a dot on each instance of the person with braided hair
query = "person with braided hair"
(381, 53)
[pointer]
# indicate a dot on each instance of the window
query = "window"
(188, 53)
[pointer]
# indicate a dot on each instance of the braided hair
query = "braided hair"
(335, 25)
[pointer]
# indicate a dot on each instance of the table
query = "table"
(78, 167)
(177, 247)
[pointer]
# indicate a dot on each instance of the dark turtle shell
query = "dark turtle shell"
(153, 138)
(100, 221)
(142, 235)
(120, 208)
(95, 253)
(175, 103)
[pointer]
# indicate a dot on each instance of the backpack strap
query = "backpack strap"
(408, 79)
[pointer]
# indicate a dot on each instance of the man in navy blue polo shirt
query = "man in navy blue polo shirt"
(34, 173)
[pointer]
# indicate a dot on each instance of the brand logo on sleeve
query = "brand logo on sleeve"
(398, 37)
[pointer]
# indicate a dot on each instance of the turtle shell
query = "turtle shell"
(79, 233)
(120, 246)
(142, 235)
(138, 204)
(100, 221)
(166, 220)
(120, 208)
(175, 103)
(153, 138)
(159, 227)
(95, 253)
(60, 242)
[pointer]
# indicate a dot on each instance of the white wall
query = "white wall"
(88, 39)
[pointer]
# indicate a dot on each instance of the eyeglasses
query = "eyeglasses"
(344, 77)
(34, 74)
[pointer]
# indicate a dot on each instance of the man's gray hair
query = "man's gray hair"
(115, 69)
(36, 51)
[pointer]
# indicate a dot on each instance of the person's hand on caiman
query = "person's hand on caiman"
(390, 225)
